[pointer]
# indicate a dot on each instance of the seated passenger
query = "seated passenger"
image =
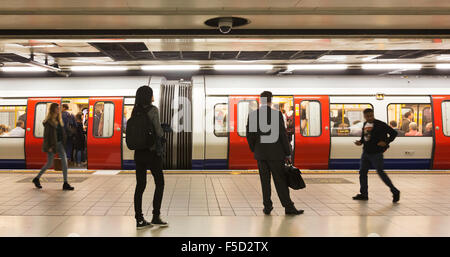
(413, 131)
(18, 131)
(356, 128)
(393, 124)
(2, 129)
(428, 130)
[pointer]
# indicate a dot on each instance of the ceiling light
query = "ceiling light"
(443, 57)
(22, 69)
(98, 68)
(392, 66)
(170, 67)
(370, 58)
(243, 67)
(443, 66)
(332, 58)
(317, 67)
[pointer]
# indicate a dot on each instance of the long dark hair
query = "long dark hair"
(143, 100)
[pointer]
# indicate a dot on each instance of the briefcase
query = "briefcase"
(57, 165)
(294, 177)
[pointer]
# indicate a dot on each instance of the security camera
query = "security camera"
(225, 25)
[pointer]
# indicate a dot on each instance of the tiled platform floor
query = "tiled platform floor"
(191, 198)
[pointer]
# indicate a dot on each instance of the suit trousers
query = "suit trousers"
(274, 167)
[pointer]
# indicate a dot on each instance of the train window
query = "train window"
(446, 117)
(411, 119)
(127, 110)
(347, 119)
(243, 109)
(39, 116)
(103, 119)
(12, 121)
(310, 119)
(220, 120)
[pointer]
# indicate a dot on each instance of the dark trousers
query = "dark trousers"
(69, 148)
(276, 169)
(154, 163)
(377, 161)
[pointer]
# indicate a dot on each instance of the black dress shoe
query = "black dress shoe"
(361, 197)
(267, 210)
(36, 183)
(293, 212)
(66, 186)
(396, 197)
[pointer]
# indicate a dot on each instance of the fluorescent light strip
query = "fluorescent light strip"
(317, 67)
(98, 68)
(393, 66)
(170, 67)
(22, 69)
(243, 67)
(443, 66)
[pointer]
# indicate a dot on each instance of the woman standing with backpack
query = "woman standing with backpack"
(54, 142)
(148, 157)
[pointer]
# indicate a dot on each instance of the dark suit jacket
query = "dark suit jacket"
(277, 150)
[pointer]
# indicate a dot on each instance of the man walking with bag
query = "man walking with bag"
(375, 142)
(267, 139)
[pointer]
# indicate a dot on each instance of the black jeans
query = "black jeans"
(276, 168)
(148, 160)
(377, 161)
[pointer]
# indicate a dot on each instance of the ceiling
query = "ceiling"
(191, 14)
(209, 51)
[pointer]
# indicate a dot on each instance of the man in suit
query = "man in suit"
(267, 138)
(375, 141)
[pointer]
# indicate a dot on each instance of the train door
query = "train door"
(104, 135)
(441, 108)
(34, 136)
(216, 133)
(239, 154)
(312, 134)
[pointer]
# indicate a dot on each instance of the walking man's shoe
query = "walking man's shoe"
(360, 197)
(396, 197)
(293, 211)
(141, 224)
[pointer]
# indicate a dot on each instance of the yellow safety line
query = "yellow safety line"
(237, 172)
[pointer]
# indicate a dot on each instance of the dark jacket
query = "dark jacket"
(379, 133)
(80, 137)
(155, 123)
(277, 150)
(50, 137)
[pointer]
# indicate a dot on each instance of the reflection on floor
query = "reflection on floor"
(224, 205)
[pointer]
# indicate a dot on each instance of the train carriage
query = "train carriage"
(209, 114)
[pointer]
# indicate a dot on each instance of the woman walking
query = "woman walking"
(54, 142)
(150, 158)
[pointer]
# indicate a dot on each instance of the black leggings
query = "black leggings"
(154, 163)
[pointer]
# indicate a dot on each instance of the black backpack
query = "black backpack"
(139, 133)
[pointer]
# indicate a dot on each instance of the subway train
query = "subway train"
(208, 115)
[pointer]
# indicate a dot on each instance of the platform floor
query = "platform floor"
(224, 205)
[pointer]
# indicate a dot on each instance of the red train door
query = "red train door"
(239, 154)
(104, 134)
(34, 136)
(312, 134)
(441, 109)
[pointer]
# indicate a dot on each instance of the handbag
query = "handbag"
(294, 177)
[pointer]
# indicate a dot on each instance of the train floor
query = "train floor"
(223, 205)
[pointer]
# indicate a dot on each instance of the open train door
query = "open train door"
(34, 136)
(239, 154)
(104, 136)
(312, 134)
(441, 110)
